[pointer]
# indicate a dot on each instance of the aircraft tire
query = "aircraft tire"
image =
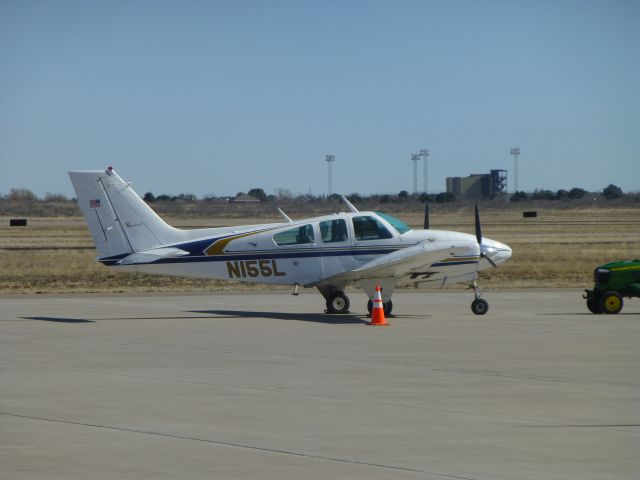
(611, 303)
(387, 307)
(479, 306)
(338, 302)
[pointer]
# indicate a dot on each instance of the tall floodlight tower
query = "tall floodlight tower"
(414, 158)
(330, 159)
(424, 153)
(515, 151)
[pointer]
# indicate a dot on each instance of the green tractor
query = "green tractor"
(612, 282)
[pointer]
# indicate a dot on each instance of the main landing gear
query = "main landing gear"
(387, 307)
(479, 306)
(338, 302)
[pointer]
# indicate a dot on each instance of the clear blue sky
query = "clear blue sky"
(223, 96)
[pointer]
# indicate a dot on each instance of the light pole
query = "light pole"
(424, 153)
(330, 160)
(414, 158)
(515, 151)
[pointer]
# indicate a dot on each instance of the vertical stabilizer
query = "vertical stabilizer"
(119, 220)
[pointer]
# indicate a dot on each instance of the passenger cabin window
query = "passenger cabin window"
(295, 236)
(333, 231)
(369, 228)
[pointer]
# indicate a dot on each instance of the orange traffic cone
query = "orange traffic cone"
(377, 314)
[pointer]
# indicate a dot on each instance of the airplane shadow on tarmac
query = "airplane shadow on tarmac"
(60, 319)
(85, 320)
(300, 317)
(346, 319)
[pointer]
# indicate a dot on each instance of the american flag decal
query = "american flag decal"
(94, 203)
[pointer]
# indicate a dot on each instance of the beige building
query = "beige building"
(478, 184)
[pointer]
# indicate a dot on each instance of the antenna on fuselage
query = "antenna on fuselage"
(349, 204)
(286, 217)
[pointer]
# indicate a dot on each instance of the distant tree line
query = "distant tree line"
(21, 201)
(610, 192)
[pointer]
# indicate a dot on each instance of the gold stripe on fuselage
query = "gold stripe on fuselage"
(217, 247)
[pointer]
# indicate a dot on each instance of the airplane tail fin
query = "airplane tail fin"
(119, 220)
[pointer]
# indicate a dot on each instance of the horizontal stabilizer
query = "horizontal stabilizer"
(152, 255)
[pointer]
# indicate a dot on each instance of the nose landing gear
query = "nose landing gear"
(479, 306)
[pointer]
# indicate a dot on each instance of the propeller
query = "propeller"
(426, 217)
(478, 227)
(483, 254)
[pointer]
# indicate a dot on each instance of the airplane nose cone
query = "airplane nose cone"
(503, 253)
(495, 251)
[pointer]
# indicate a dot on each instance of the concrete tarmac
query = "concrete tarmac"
(264, 386)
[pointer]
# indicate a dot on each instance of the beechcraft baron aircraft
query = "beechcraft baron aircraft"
(329, 252)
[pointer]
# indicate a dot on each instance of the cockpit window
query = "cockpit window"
(399, 225)
(369, 228)
(295, 236)
(333, 231)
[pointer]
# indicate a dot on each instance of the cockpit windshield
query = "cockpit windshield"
(399, 225)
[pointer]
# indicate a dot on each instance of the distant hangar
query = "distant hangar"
(485, 185)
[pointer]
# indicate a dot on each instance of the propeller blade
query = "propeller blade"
(493, 264)
(426, 217)
(478, 227)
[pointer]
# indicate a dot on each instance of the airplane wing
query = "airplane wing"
(417, 258)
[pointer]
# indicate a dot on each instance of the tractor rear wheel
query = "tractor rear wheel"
(611, 302)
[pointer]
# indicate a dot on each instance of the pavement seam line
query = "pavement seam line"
(238, 445)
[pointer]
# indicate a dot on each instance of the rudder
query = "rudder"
(118, 219)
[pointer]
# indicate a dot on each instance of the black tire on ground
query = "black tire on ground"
(387, 307)
(611, 303)
(479, 306)
(338, 302)
(593, 304)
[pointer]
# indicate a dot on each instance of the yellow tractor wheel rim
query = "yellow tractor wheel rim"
(612, 303)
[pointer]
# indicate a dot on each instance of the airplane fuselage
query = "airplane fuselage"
(371, 249)
(303, 253)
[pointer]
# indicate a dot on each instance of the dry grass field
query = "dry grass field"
(559, 248)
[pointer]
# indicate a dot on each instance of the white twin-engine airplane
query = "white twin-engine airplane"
(328, 252)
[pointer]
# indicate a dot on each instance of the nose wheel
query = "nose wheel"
(479, 306)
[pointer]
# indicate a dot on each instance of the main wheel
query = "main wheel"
(387, 307)
(593, 304)
(611, 302)
(338, 302)
(479, 306)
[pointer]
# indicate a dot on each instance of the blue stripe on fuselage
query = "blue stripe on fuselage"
(275, 255)
(450, 264)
